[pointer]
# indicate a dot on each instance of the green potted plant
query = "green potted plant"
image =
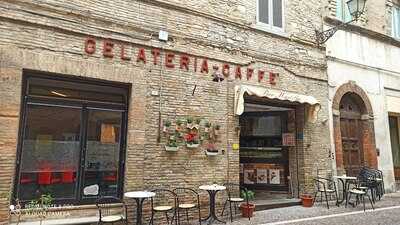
(207, 126)
(217, 128)
(171, 146)
(247, 208)
(167, 125)
(178, 125)
(192, 141)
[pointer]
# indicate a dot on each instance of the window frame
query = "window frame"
(84, 106)
(270, 27)
(344, 15)
(395, 31)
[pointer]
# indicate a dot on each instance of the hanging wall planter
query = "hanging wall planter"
(171, 148)
(211, 152)
(192, 145)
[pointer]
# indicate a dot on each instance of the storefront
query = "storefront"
(73, 137)
(269, 158)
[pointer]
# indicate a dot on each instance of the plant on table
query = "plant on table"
(246, 207)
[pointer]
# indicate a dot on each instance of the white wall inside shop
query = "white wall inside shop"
(372, 66)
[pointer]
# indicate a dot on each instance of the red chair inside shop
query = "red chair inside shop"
(44, 178)
(26, 178)
(112, 177)
(56, 178)
(67, 177)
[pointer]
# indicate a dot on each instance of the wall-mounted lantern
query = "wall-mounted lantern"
(356, 9)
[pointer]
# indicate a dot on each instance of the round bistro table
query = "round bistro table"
(344, 180)
(212, 191)
(139, 196)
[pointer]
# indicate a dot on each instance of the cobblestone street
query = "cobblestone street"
(387, 212)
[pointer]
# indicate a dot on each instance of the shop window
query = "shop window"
(342, 11)
(270, 14)
(72, 140)
(396, 22)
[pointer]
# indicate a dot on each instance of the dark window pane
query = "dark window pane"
(277, 13)
(263, 11)
(102, 153)
(50, 152)
(73, 90)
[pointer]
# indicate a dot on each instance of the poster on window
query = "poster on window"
(250, 176)
(274, 176)
(288, 139)
(107, 134)
(262, 176)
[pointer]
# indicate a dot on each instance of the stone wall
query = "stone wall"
(50, 35)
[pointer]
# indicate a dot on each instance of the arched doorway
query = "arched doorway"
(353, 124)
(351, 134)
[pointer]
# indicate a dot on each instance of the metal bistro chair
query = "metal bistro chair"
(165, 202)
(233, 191)
(324, 186)
(378, 181)
(110, 211)
(360, 191)
(188, 199)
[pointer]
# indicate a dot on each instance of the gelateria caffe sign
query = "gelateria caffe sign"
(171, 60)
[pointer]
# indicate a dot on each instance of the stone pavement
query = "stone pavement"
(387, 212)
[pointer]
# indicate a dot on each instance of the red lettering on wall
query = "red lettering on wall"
(238, 72)
(184, 62)
(272, 78)
(156, 54)
(250, 72)
(169, 58)
(225, 70)
(123, 54)
(204, 66)
(108, 48)
(90, 46)
(260, 75)
(141, 56)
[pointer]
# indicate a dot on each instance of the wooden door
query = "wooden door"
(351, 132)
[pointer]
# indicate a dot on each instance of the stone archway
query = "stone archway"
(352, 94)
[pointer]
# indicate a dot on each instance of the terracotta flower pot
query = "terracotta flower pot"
(247, 209)
(307, 200)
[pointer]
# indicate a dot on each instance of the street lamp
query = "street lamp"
(356, 9)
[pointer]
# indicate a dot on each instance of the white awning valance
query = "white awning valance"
(240, 90)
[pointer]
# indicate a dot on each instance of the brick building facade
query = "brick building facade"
(117, 41)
